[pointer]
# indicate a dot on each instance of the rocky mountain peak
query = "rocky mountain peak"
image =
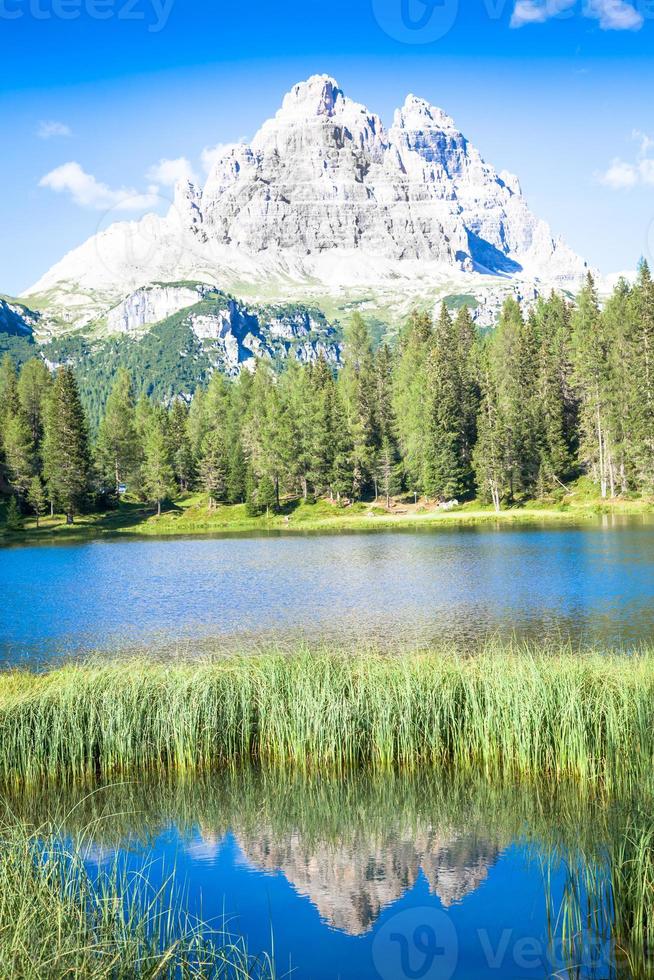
(419, 114)
(323, 200)
(318, 95)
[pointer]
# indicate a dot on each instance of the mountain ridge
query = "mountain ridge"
(327, 206)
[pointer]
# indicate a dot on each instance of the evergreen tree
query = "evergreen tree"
(357, 383)
(410, 397)
(34, 386)
(36, 498)
(13, 517)
(638, 380)
(180, 444)
(512, 354)
(158, 475)
(66, 459)
(443, 469)
(118, 447)
(556, 400)
(467, 349)
(489, 459)
(9, 400)
(19, 452)
(342, 475)
(214, 467)
(593, 377)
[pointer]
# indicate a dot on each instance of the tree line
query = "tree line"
(506, 415)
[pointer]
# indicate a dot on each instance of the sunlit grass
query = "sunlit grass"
(508, 710)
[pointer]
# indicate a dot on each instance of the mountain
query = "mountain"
(17, 326)
(171, 337)
(328, 207)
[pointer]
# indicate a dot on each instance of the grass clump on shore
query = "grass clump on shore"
(510, 711)
(57, 920)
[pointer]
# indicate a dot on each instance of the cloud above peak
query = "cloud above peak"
(89, 192)
(613, 15)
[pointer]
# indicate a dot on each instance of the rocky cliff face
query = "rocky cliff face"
(228, 333)
(16, 319)
(325, 199)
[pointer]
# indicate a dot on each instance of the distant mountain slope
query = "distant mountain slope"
(172, 355)
(326, 206)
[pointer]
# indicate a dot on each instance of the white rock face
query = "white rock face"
(150, 305)
(325, 199)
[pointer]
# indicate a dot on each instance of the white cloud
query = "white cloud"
(613, 15)
(88, 192)
(169, 172)
(622, 175)
(538, 11)
(619, 175)
(48, 128)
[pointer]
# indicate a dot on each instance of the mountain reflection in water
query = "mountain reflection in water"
(328, 866)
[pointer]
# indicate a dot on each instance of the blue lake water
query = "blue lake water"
(384, 880)
(591, 584)
(357, 882)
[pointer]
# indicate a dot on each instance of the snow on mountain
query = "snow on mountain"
(326, 204)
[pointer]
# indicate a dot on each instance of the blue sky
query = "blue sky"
(557, 91)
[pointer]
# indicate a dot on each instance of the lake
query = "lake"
(590, 584)
(362, 879)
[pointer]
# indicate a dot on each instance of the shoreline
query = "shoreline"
(190, 517)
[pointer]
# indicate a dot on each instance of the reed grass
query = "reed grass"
(56, 920)
(513, 711)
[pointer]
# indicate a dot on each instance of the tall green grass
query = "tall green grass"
(515, 711)
(58, 921)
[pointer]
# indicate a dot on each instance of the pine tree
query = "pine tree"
(180, 444)
(19, 452)
(357, 382)
(9, 400)
(263, 440)
(512, 354)
(467, 348)
(410, 397)
(13, 517)
(556, 399)
(267, 495)
(66, 459)
(158, 475)
(489, 460)
(593, 377)
(36, 498)
(34, 386)
(118, 446)
(342, 475)
(637, 383)
(443, 469)
(214, 467)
